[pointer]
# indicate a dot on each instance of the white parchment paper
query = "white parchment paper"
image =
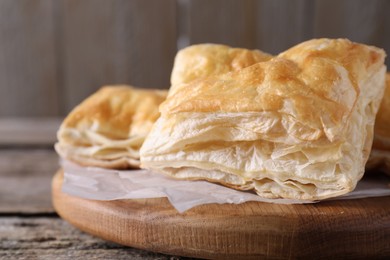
(102, 184)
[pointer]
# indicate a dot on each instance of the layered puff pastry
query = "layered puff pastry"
(108, 128)
(380, 154)
(203, 60)
(298, 126)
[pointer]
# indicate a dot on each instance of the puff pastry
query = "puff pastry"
(380, 154)
(108, 128)
(298, 126)
(203, 60)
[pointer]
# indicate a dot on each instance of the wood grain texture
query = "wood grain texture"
(219, 21)
(282, 24)
(53, 238)
(120, 41)
(53, 54)
(384, 32)
(28, 131)
(349, 229)
(25, 178)
(354, 19)
(28, 61)
(29, 227)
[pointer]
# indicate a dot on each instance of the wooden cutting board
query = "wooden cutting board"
(343, 229)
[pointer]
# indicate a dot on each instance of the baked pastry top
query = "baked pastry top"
(108, 128)
(299, 125)
(203, 60)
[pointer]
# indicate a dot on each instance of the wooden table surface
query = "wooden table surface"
(29, 226)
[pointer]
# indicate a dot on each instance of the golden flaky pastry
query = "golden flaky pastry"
(108, 128)
(298, 126)
(380, 154)
(203, 60)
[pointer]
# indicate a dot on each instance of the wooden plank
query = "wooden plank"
(28, 62)
(120, 41)
(282, 24)
(52, 238)
(219, 21)
(357, 228)
(25, 177)
(28, 131)
(384, 32)
(353, 19)
(356, 20)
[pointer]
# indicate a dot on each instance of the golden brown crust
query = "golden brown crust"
(204, 60)
(120, 108)
(297, 126)
(249, 90)
(356, 58)
(307, 74)
(108, 128)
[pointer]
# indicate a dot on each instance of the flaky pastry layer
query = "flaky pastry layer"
(298, 126)
(108, 128)
(203, 60)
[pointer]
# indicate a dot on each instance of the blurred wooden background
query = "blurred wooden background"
(54, 53)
